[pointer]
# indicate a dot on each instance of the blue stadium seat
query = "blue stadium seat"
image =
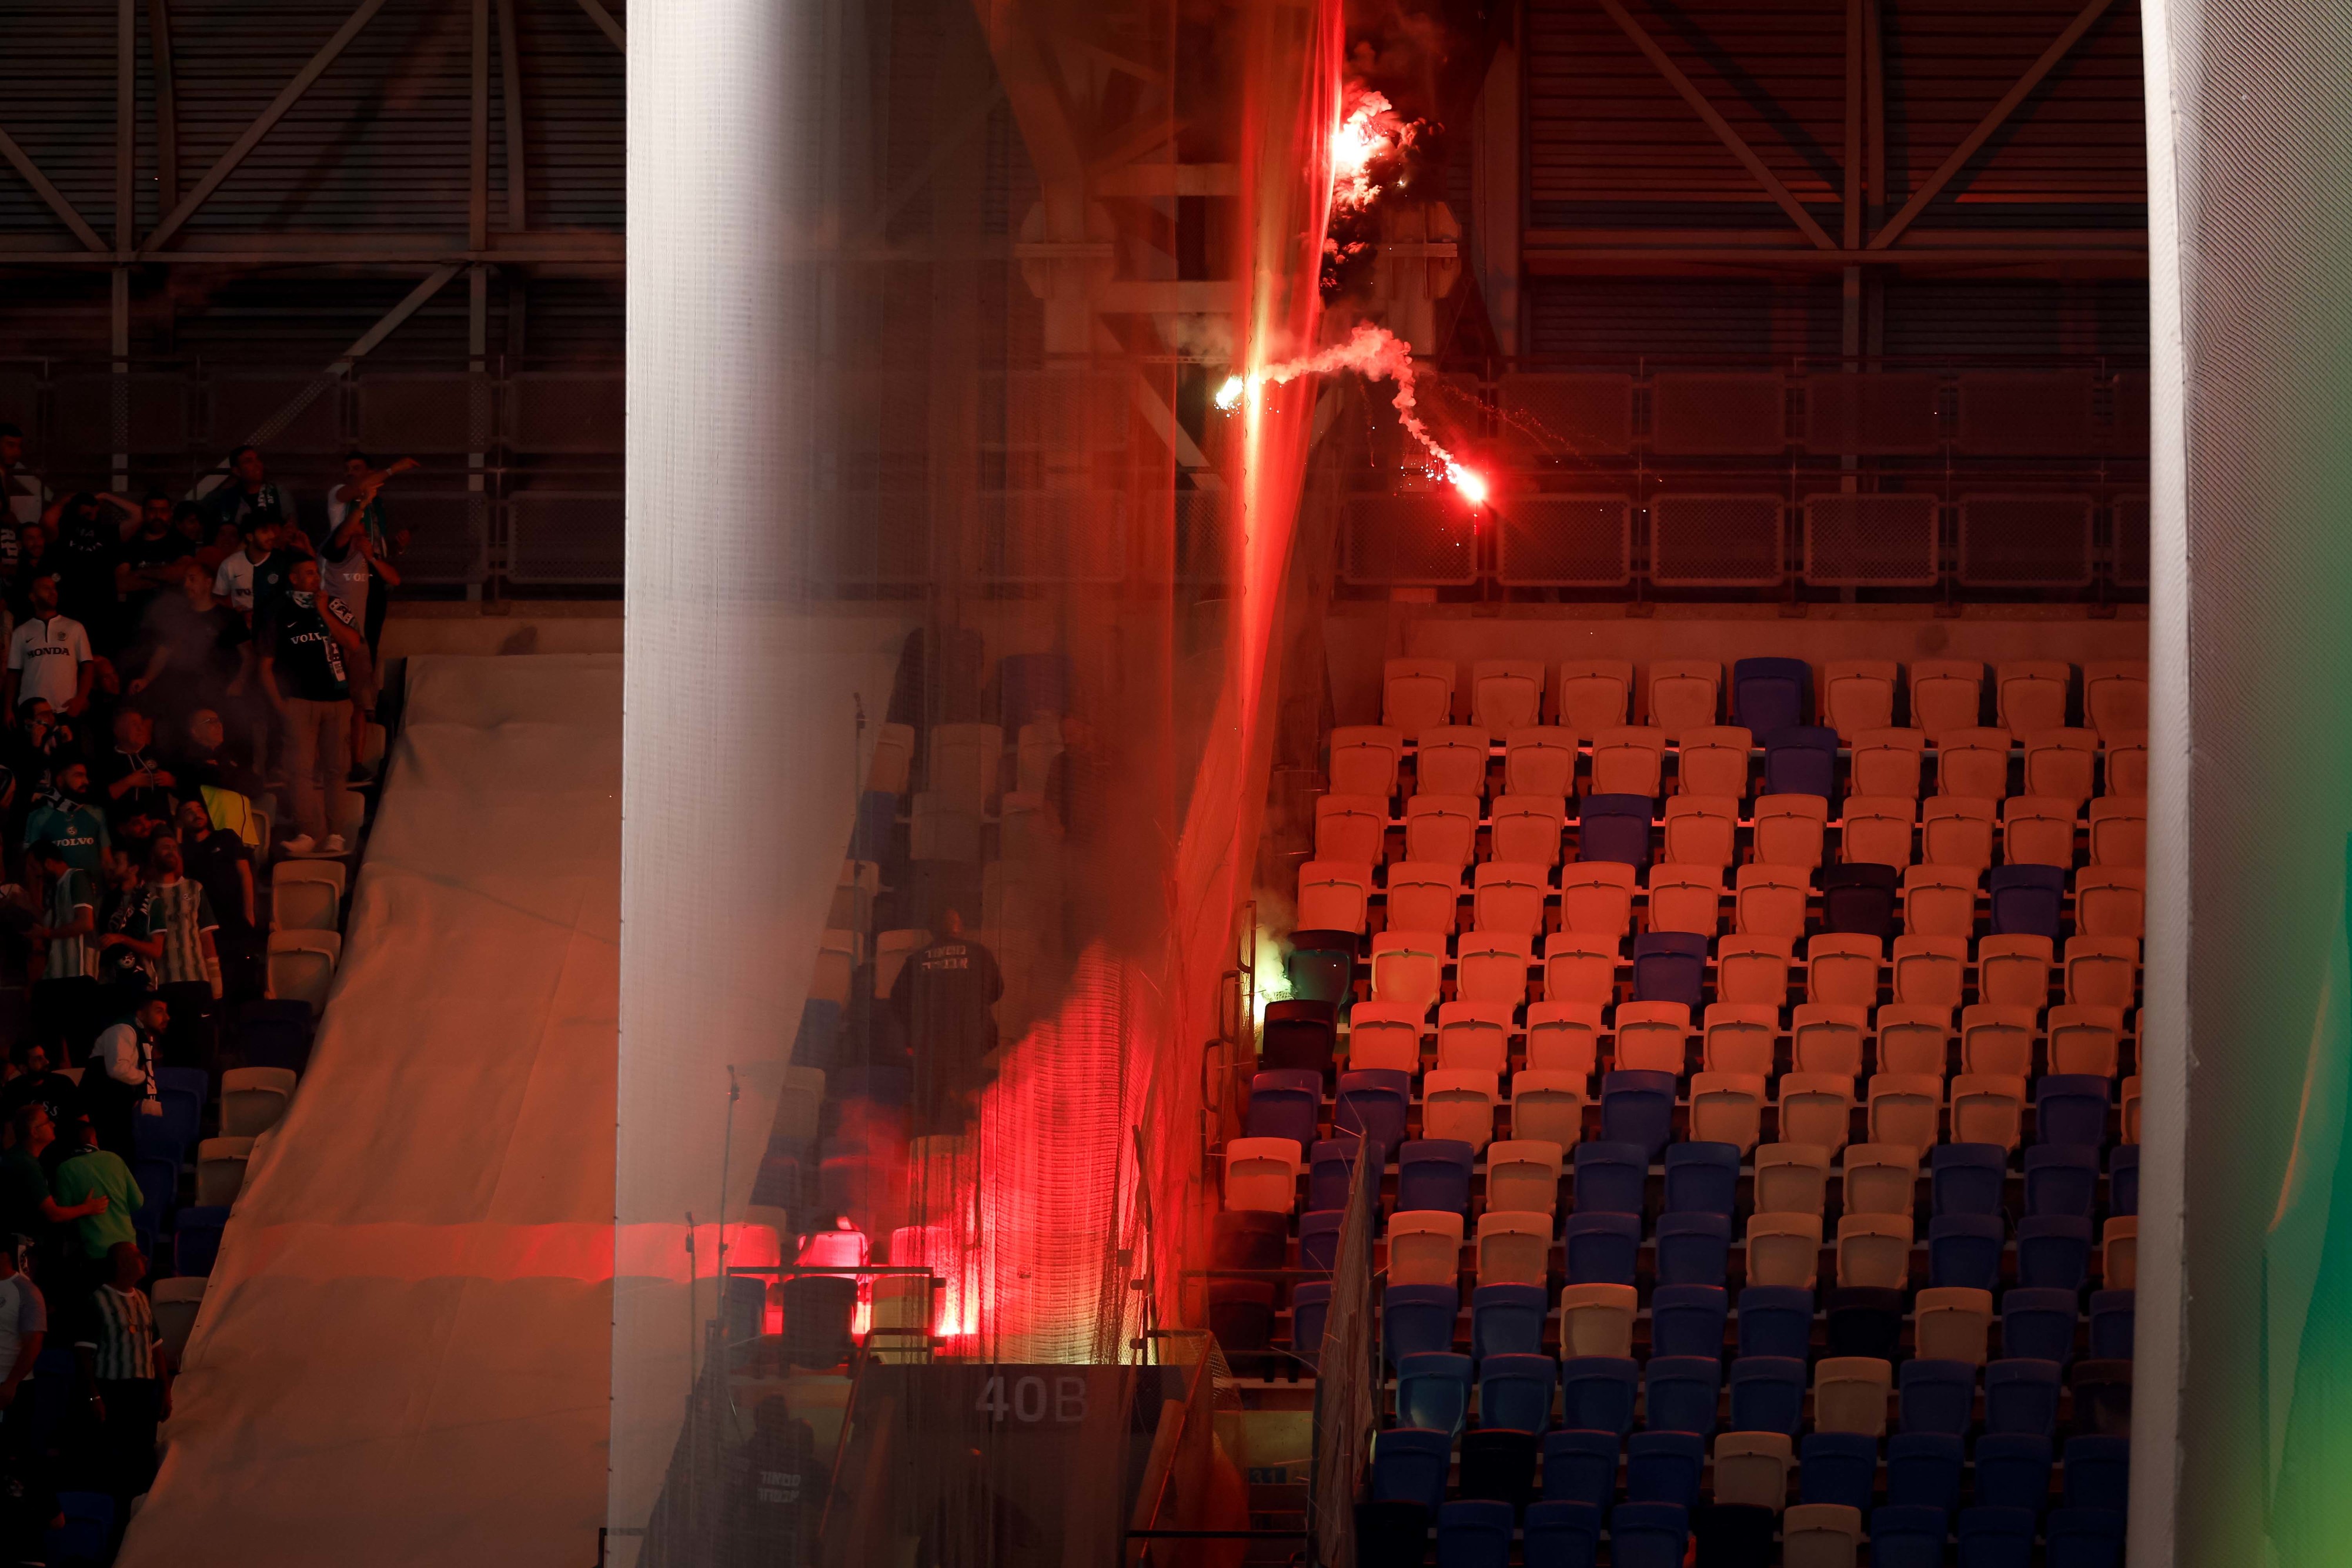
(1801, 760)
(1835, 1467)
(1923, 1470)
(1865, 1319)
(1373, 1102)
(1770, 693)
(2026, 900)
(2111, 1325)
(1602, 1248)
(1418, 1319)
(85, 1533)
(1303, 1032)
(1610, 1177)
(158, 1182)
(2086, 1538)
(1597, 1393)
(1687, 1320)
(2123, 1179)
(1665, 1466)
(2022, 1396)
(1670, 966)
(1638, 1108)
(156, 1137)
(818, 1042)
(1702, 1178)
(1321, 968)
(1474, 1534)
(1319, 1237)
(197, 1239)
(1310, 1308)
(2098, 1472)
(2013, 1471)
(2038, 1323)
(2054, 1252)
(2071, 1108)
(1681, 1393)
(1410, 1465)
(1965, 1249)
(1937, 1396)
(1768, 1394)
(1329, 1167)
(1285, 1103)
(1580, 1464)
(1614, 827)
(1904, 1536)
(184, 1090)
(1241, 1314)
(1996, 1538)
(1858, 899)
(1515, 1391)
(1776, 1319)
(1497, 1466)
(275, 1033)
(1648, 1535)
(1392, 1533)
(1693, 1250)
(1561, 1533)
(2062, 1179)
(1506, 1320)
(877, 819)
(1434, 1173)
(2103, 1396)
(1433, 1391)
(1966, 1178)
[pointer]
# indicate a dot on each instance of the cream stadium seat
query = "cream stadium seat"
(2118, 832)
(1263, 1174)
(1423, 896)
(1548, 1106)
(1417, 694)
(1999, 1040)
(1789, 829)
(1475, 1036)
(177, 1301)
(1769, 901)
(1956, 831)
(1507, 896)
(1653, 1037)
(1514, 1249)
(1539, 759)
(1523, 1175)
(1424, 1247)
(2102, 970)
(1874, 1250)
(1739, 1037)
(220, 1170)
(1820, 1535)
(1630, 759)
(306, 895)
(1407, 967)
(1858, 695)
(1349, 828)
(2085, 1038)
(1364, 758)
(2031, 693)
(1702, 829)
(1946, 694)
(1850, 1395)
(965, 761)
(943, 829)
(1384, 1037)
(1939, 901)
(2119, 1254)
(1459, 1103)
(1333, 895)
(1688, 898)
(1828, 1037)
(1564, 1037)
(2115, 698)
(1442, 827)
(1791, 1178)
(892, 767)
(1596, 898)
(2013, 971)
(1753, 969)
(1026, 829)
(1728, 1108)
(1889, 762)
(1492, 966)
(1989, 1108)
(2111, 901)
(1451, 760)
(1593, 694)
(1528, 829)
(1879, 1178)
(1906, 1109)
(1597, 1320)
(1816, 1108)
(1930, 971)
(1784, 1249)
(1751, 1469)
(1973, 764)
(1714, 761)
(2061, 764)
(1952, 1322)
(2037, 830)
(254, 1099)
(1841, 969)
(1506, 694)
(1878, 831)
(2126, 771)
(302, 966)
(1684, 694)
(1914, 1038)
(1579, 969)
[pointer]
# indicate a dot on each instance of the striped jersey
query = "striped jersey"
(122, 1332)
(71, 956)
(180, 913)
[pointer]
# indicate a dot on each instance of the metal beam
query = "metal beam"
(49, 194)
(604, 19)
(126, 119)
(261, 128)
(1991, 122)
(511, 102)
(948, 142)
(1715, 121)
(478, 135)
(311, 249)
(167, 112)
(1850, 293)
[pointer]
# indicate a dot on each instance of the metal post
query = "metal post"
(480, 507)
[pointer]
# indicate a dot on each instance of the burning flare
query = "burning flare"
(1376, 354)
(1371, 130)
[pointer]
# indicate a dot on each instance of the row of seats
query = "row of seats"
(1851, 695)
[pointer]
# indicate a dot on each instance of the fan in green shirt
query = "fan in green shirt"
(93, 1172)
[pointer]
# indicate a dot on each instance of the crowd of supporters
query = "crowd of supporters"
(181, 673)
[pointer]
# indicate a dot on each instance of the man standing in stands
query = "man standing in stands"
(23, 496)
(48, 656)
(943, 1001)
(180, 927)
(119, 1084)
(63, 815)
(250, 499)
(86, 1170)
(122, 1355)
(220, 863)
(305, 638)
(776, 1497)
(24, 1325)
(64, 998)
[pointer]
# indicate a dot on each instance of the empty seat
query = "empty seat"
(1973, 764)
(1614, 827)
(2026, 899)
(1249, 1238)
(1886, 763)
(1593, 694)
(1768, 1394)
(1686, 898)
(1610, 1177)
(1769, 901)
(1874, 1250)
(1408, 967)
(1684, 694)
(1597, 1395)
(2115, 698)
(1426, 1247)
(1828, 1038)
(2013, 1471)
(2131, 1108)
(1506, 1320)
(1540, 762)
(306, 895)
(1637, 1107)
(1692, 1249)
(1476, 1532)
(1241, 1314)
(1768, 693)
(1938, 1396)
(1910, 1537)
(1714, 762)
(1548, 1106)
(1434, 1174)
(1728, 1108)
(1850, 1395)
(1601, 1247)
(1580, 967)
(1858, 696)
(2119, 1252)
(220, 1170)
(1999, 1040)
(1473, 1036)
(1515, 1389)
(1879, 1178)
(1318, 1239)
(2111, 901)
(1858, 899)
(1653, 1037)
(2103, 971)
(2037, 1323)
(1967, 1178)
(1351, 830)
(1423, 897)
(1523, 1175)
(2103, 1397)
(2032, 694)
(1455, 1102)
(1838, 1466)
(1506, 694)
(2071, 1108)
(1514, 1249)
(1913, 1037)
(1930, 971)
(1801, 760)
(1816, 1109)
(1956, 831)
(1905, 1108)
(1331, 1171)
(1564, 1037)
(254, 1098)
(1776, 1321)
(1878, 830)
(1385, 1037)
(1680, 1393)
(2053, 1251)
(1372, 1103)
(1701, 830)
(1751, 1466)
(2022, 1396)
(1564, 1533)
(1738, 1038)
(1440, 829)
(1841, 969)
(1789, 828)
(1263, 1174)
(1783, 1249)
(1952, 1324)
(1596, 1319)
(1669, 967)
(1492, 966)
(1820, 1535)
(1702, 1177)
(1965, 1249)
(1791, 1178)
(2122, 1180)
(1417, 694)
(2118, 832)
(1363, 759)
(1989, 1108)
(2062, 1179)
(2098, 1471)
(302, 966)
(1687, 1319)
(1451, 761)
(1752, 969)
(2037, 830)
(1940, 900)
(1415, 1318)
(1630, 759)
(1282, 1105)
(1410, 1465)
(1528, 829)
(2060, 764)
